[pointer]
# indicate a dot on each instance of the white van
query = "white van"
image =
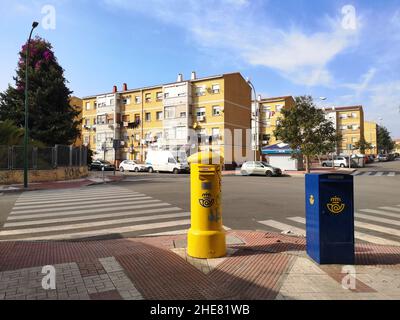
(166, 161)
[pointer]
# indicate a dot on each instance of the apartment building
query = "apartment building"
(349, 122)
(165, 116)
(371, 136)
(269, 117)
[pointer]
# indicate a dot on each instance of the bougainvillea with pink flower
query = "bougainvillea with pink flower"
(51, 118)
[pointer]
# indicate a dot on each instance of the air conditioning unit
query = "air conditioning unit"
(201, 118)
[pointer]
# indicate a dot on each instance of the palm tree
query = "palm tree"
(10, 134)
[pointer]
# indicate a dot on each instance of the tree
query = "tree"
(51, 118)
(305, 128)
(10, 134)
(384, 141)
(362, 145)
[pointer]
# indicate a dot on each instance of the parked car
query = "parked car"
(129, 165)
(100, 164)
(342, 162)
(168, 161)
(382, 158)
(260, 168)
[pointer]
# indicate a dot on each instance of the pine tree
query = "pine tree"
(51, 118)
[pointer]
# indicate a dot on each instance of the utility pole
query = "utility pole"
(256, 120)
(34, 25)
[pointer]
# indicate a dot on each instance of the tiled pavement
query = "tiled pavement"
(258, 266)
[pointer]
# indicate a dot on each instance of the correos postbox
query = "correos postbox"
(330, 218)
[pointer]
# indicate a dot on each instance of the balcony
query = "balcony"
(134, 125)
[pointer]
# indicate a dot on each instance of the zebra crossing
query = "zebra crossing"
(376, 173)
(378, 226)
(91, 212)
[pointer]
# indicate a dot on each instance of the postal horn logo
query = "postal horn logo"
(336, 206)
(206, 201)
(312, 200)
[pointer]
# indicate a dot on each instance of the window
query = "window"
(126, 101)
(169, 112)
(148, 116)
(159, 96)
(125, 118)
(169, 133)
(343, 116)
(200, 91)
(87, 105)
(183, 115)
(216, 88)
(279, 107)
(343, 127)
(215, 132)
(216, 111)
(265, 109)
(180, 132)
(95, 105)
(137, 118)
(137, 99)
(355, 127)
(159, 115)
(354, 140)
(87, 122)
(148, 97)
(102, 119)
(354, 115)
(166, 95)
(86, 140)
(201, 112)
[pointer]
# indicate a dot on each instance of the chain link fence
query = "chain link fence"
(12, 157)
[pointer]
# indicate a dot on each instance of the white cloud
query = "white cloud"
(237, 27)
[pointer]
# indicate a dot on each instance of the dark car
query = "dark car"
(100, 164)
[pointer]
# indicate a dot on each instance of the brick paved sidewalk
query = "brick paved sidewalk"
(258, 266)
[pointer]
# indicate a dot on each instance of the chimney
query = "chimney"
(115, 89)
(180, 78)
(193, 76)
(124, 87)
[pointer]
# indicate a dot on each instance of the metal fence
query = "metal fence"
(12, 157)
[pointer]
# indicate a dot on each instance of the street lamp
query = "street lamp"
(256, 124)
(34, 25)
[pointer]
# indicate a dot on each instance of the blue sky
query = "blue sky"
(290, 47)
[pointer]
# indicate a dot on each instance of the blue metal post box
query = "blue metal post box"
(330, 218)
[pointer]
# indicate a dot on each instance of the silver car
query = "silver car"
(260, 168)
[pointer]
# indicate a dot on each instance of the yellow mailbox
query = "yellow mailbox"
(206, 237)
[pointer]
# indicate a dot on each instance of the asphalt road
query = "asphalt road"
(247, 201)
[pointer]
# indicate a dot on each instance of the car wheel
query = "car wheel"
(342, 165)
(268, 173)
(121, 169)
(175, 171)
(136, 169)
(151, 170)
(324, 165)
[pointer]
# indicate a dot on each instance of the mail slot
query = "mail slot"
(330, 218)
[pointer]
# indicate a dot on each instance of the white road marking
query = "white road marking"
(108, 231)
(391, 231)
(131, 207)
(90, 225)
(391, 209)
(381, 212)
(79, 218)
(84, 205)
(61, 214)
(283, 227)
(391, 174)
(379, 174)
(359, 235)
(377, 219)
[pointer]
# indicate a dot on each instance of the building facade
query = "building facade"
(166, 116)
(349, 122)
(370, 135)
(269, 117)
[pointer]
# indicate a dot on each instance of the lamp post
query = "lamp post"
(256, 124)
(34, 25)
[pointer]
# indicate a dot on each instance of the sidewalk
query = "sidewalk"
(59, 184)
(259, 265)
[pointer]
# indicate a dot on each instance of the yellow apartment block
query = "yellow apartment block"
(370, 135)
(349, 122)
(270, 114)
(77, 104)
(164, 117)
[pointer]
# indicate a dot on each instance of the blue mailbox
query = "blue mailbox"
(330, 218)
